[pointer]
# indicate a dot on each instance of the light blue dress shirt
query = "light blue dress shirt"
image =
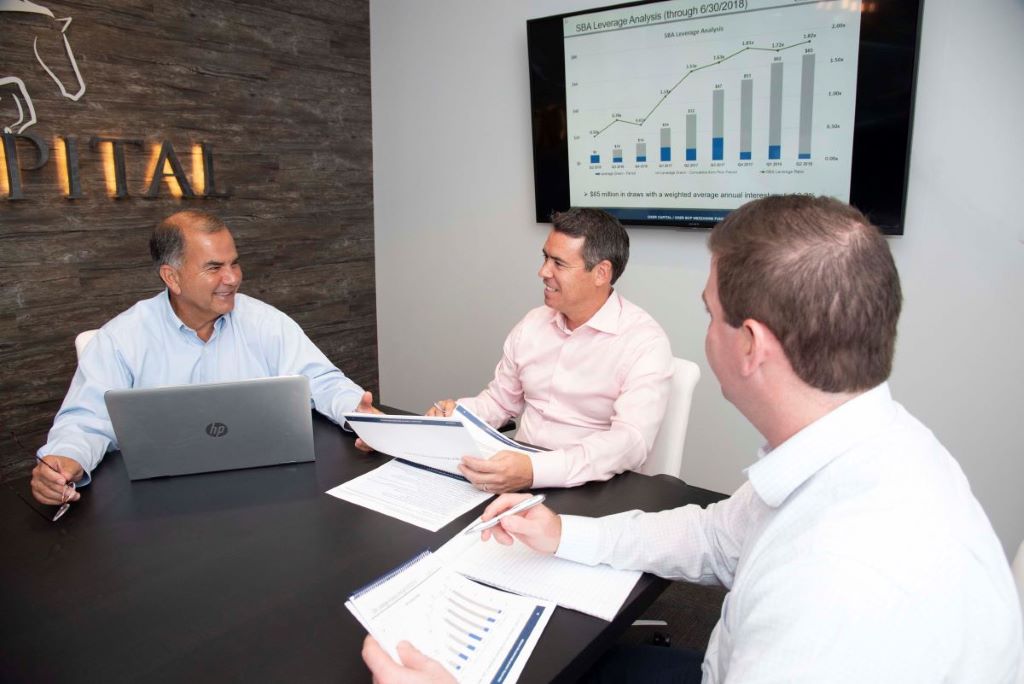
(149, 346)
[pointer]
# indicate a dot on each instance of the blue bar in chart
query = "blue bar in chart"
(691, 137)
(616, 155)
(666, 144)
(595, 159)
(641, 152)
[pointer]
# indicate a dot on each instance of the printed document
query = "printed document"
(424, 488)
(434, 441)
(477, 633)
(488, 440)
(431, 441)
(412, 493)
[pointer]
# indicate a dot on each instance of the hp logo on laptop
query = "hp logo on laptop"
(216, 429)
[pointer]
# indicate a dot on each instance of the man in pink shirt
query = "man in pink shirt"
(587, 374)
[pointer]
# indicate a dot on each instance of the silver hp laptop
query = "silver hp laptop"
(221, 426)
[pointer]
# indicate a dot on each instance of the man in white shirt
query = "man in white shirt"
(200, 329)
(855, 551)
(587, 374)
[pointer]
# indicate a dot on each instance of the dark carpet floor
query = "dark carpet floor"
(691, 611)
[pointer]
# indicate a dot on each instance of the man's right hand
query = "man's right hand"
(48, 485)
(539, 527)
(365, 406)
(447, 408)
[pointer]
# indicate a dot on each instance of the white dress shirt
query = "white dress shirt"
(855, 552)
(149, 346)
(595, 395)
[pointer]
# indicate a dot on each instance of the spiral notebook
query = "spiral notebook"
(479, 634)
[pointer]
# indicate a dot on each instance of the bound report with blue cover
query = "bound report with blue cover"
(477, 633)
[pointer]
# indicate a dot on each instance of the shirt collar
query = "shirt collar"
(606, 319)
(172, 318)
(778, 473)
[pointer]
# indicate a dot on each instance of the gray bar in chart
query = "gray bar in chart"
(666, 144)
(691, 137)
(616, 155)
(746, 117)
(717, 113)
(806, 106)
(717, 124)
(641, 152)
(775, 113)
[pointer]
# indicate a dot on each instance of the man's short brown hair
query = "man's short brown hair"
(820, 276)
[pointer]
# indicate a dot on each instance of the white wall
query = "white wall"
(457, 246)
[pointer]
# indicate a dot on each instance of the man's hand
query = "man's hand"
(538, 527)
(447, 408)
(505, 471)
(365, 406)
(48, 485)
(416, 668)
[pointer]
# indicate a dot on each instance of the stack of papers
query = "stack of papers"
(424, 488)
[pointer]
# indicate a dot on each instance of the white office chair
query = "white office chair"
(1018, 574)
(666, 456)
(82, 340)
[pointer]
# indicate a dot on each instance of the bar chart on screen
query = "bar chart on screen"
(716, 102)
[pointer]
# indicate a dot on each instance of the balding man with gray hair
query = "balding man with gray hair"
(200, 329)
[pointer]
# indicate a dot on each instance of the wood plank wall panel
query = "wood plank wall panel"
(280, 90)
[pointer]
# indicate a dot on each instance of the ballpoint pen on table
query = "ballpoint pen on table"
(518, 508)
(64, 504)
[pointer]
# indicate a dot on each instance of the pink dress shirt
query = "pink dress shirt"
(595, 395)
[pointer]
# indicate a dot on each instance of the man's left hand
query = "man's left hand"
(365, 406)
(506, 471)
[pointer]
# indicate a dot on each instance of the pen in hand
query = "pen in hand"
(444, 413)
(64, 504)
(518, 508)
(49, 465)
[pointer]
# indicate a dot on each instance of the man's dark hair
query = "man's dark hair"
(820, 276)
(603, 237)
(167, 243)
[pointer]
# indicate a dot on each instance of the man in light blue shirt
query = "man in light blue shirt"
(200, 329)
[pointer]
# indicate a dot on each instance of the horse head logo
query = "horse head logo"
(26, 111)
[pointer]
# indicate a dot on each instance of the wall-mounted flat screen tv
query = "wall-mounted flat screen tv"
(674, 113)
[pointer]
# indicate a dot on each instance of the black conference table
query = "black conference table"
(243, 575)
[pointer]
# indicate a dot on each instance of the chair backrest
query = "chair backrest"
(82, 340)
(1018, 574)
(666, 456)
